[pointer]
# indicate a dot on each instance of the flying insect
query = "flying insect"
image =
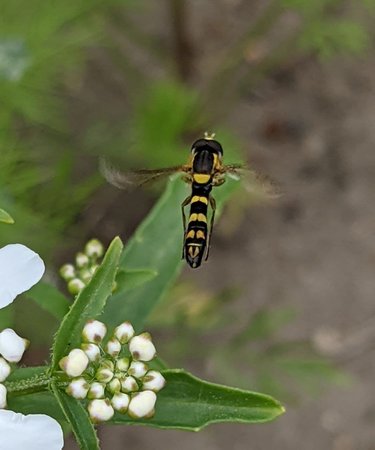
(204, 171)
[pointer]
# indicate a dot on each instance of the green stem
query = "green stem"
(35, 383)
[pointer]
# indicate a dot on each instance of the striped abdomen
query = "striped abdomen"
(196, 233)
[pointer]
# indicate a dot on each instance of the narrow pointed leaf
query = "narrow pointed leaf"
(77, 416)
(88, 304)
(5, 217)
(189, 403)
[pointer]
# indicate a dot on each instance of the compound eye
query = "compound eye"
(198, 144)
(215, 146)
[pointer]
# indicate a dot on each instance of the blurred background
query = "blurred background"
(285, 303)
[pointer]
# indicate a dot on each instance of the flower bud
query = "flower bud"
(124, 332)
(104, 375)
(122, 364)
(96, 390)
(85, 275)
(100, 410)
(67, 272)
(92, 351)
(94, 248)
(142, 405)
(3, 396)
(94, 331)
(114, 385)
(75, 363)
(142, 348)
(120, 402)
(137, 369)
(12, 346)
(113, 347)
(75, 286)
(129, 384)
(78, 388)
(4, 369)
(153, 381)
(82, 260)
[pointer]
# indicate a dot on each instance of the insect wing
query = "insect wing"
(254, 182)
(129, 179)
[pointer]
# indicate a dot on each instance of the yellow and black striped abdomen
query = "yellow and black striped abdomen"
(196, 233)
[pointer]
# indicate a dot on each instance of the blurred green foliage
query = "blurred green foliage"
(51, 134)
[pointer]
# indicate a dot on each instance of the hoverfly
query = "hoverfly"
(204, 171)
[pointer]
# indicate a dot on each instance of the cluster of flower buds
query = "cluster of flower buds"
(12, 348)
(79, 274)
(113, 375)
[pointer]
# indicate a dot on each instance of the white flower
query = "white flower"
(104, 375)
(82, 260)
(20, 269)
(120, 402)
(92, 351)
(122, 364)
(96, 390)
(153, 381)
(100, 410)
(129, 384)
(4, 369)
(94, 249)
(67, 272)
(113, 347)
(137, 369)
(142, 348)
(114, 385)
(3, 397)
(31, 432)
(75, 286)
(142, 404)
(94, 331)
(75, 363)
(12, 346)
(124, 332)
(78, 388)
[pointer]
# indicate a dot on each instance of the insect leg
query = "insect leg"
(185, 203)
(213, 206)
(218, 180)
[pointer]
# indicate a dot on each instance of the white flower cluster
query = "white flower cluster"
(86, 263)
(114, 376)
(12, 348)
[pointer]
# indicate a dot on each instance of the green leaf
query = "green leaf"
(5, 217)
(77, 416)
(129, 279)
(189, 403)
(156, 244)
(42, 402)
(50, 299)
(88, 304)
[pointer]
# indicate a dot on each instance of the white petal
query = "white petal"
(20, 269)
(137, 369)
(4, 369)
(31, 432)
(100, 410)
(142, 404)
(153, 381)
(12, 346)
(75, 363)
(94, 331)
(120, 402)
(142, 348)
(124, 332)
(3, 397)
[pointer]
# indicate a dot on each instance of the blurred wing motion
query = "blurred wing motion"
(255, 183)
(127, 180)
